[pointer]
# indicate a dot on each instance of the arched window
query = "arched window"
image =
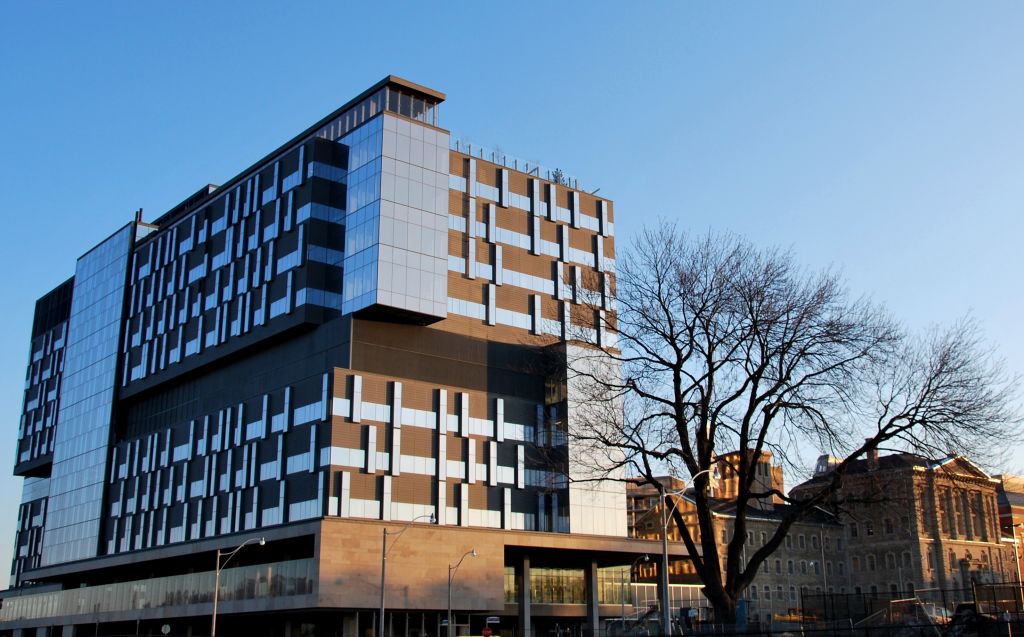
(789, 567)
(803, 567)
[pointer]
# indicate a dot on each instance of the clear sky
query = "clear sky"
(885, 139)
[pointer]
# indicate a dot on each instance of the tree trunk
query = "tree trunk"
(725, 609)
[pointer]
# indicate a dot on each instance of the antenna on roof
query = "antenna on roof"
(138, 216)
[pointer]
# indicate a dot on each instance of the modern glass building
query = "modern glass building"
(364, 332)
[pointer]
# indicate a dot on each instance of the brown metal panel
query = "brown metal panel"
(456, 446)
(486, 173)
(478, 495)
(457, 244)
(417, 441)
(550, 308)
(582, 239)
(513, 219)
(515, 258)
(346, 434)
(418, 396)
(549, 231)
(457, 202)
(512, 298)
(457, 164)
(364, 486)
(375, 390)
(412, 489)
(518, 183)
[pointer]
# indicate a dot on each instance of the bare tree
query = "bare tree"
(723, 347)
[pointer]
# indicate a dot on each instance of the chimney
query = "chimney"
(872, 458)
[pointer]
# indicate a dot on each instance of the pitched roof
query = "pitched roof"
(901, 462)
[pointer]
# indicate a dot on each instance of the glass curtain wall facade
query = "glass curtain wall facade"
(367, 324)
(76, 487)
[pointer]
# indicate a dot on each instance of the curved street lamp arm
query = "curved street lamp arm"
(680, 492)
(397, 534)
(452, 569)
(220, 554)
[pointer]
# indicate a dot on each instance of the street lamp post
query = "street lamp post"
(384, 561)
(216, 576)
(451, 578)
(666, 613)
(622, 585)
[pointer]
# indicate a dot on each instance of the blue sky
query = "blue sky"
(883, 139)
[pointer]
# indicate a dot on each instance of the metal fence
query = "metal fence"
(936, 605)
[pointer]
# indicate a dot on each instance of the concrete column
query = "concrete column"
(593, 604)
(523, 575)
(350, 625)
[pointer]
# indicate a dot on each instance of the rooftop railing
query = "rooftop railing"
(508, 161)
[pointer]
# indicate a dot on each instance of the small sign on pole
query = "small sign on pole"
(493, 620)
